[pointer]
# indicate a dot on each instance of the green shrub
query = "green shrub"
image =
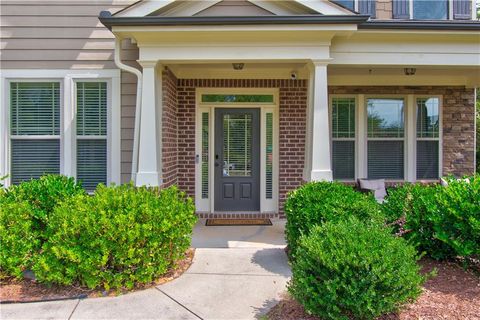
(118, 237)
(18, 241)
(443, 222)
(417, 204)
(351, 269)
(457, 221)
(43, 195)
(318, 202)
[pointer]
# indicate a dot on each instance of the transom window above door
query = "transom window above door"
(238, 98)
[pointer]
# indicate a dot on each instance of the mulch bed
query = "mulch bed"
(453, 294)
(13, 290)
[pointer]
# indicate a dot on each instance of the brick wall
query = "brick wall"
(292, 114)
(169, 129)
(458, 121)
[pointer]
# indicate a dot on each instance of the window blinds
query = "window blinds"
(343, 138)
(35, 129)
(91, 133)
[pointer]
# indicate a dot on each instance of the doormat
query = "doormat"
(238, 222)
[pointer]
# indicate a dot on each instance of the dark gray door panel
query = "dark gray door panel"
(237, 159)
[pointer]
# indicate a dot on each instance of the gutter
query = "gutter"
(421, 25)
(139, 75)
(362, 21)
(108, 20)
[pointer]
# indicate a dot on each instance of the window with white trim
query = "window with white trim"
(34, 130)
(91, 124)
(343, 138)
(428, 137)
(386, 138)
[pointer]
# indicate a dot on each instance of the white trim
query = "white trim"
(66, 78)
(208, 205)
(143, 8)
(362, 157)
(410, 135)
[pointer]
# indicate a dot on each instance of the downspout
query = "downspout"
(136, 133)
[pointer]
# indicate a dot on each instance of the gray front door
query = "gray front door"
(237, 159)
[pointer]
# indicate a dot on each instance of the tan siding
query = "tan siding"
(234, 8)
(67, 35)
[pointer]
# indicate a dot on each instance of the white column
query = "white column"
(149, 148)
(68, 145)
(321, 164)
(410, 110)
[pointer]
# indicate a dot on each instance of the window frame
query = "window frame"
(355, 139)
(406, 135)
(449, 10)
(68, 136)
(107, 137)
(7, 123)
(439, 139)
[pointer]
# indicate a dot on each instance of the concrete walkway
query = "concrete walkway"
(237, 273)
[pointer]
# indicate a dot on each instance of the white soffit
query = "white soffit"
(189, 8)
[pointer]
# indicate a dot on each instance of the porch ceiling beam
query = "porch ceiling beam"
(207, 54)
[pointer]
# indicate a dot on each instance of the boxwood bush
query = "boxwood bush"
(118, 237)
(351, 269)
(444, 222)
(43, 195)
(18, 241)
(24, 213)
(317, 202)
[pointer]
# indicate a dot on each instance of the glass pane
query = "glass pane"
(343, 160)
(385, 118)
(350, 4)
(385, 160)
(269, 156)
(34, 158)
(343, 118)
(427, 160)
(430, 9)
(205, 155)
(92, 162)
(237, 145)
(238, 98)
(35, 108)
(428, 120)
(91, 108)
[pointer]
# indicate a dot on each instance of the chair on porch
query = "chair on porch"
(375, 186)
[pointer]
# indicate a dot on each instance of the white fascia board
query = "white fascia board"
(233, 53)
(143, 8)
(405, 59)
(324, 7)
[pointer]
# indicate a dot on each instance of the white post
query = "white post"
(149, 149)
(68, 146)
(320, 141)
(410, 110)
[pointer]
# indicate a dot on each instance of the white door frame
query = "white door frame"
(207, 205)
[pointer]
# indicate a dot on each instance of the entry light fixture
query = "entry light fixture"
(410, 71)
(238, 66)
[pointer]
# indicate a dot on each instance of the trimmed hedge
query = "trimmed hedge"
(317, 202)
(444, 222)
(351, 269)
(117, 237)
(18, 241)
(24, 215)
(43, 195)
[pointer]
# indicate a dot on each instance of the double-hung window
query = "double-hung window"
(34, 129)
(91, 123)
(386, 138)
(428, 137)
(343, 138)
